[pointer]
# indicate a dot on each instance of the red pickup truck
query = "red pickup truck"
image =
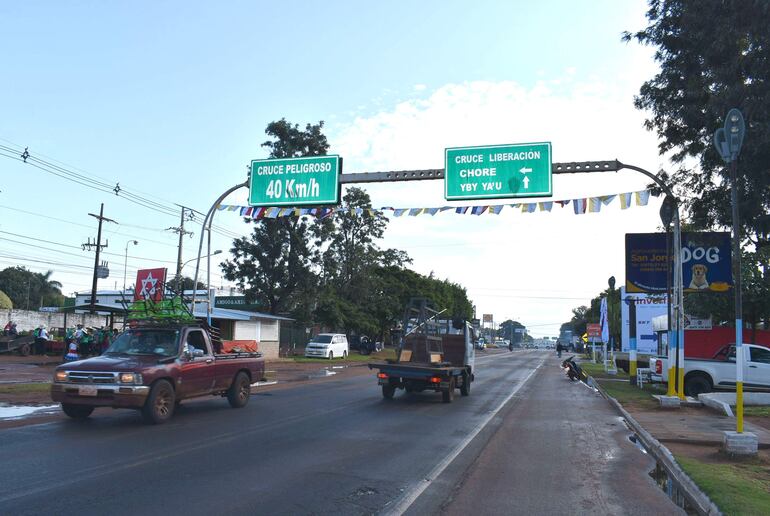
(153, 368)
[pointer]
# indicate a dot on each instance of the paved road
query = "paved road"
(334, 447)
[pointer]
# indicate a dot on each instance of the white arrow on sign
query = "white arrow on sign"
(526, 182)
(524, 170)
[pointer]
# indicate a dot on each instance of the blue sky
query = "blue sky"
(171, 99)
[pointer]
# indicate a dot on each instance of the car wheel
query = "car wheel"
(240, 391)
(465, 388)
(331, 355)
(388, 391)
(76, 411)
(159, 406)
(697, 384)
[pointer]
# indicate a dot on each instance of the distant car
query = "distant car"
(480, 344)
(327, 345)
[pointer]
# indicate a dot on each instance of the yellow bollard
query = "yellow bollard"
(671, 382)
(739, 406)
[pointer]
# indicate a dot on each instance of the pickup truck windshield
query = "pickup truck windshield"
(164, 343)
(322, 339)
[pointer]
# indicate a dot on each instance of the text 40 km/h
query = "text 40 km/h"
(311, 180)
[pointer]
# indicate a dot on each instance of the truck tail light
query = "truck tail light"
(658, 367)
(435, 379)
(382, 375)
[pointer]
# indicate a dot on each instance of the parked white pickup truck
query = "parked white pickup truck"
(718, 373)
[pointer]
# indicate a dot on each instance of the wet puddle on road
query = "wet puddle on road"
(10, 412)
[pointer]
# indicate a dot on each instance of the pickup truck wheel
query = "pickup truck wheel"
(76, 411)
(465, 388)
(160, 404)
(449, 394)
(239, 392)
(697, 384)
(388, 391)
(24, 350)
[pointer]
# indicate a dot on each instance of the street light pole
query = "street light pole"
(728, 141)
(125, 263)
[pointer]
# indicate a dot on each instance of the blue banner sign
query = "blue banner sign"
(706, 262)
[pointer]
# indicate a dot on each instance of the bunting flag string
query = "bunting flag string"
(580, 207)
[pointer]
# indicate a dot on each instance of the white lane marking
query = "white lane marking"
(408, 498)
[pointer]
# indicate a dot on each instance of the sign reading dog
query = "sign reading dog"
(706, 262)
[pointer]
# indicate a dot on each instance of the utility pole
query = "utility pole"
(98, 245)
(180, 230)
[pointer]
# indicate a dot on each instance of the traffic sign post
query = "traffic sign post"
(498, 171)
(295, 181)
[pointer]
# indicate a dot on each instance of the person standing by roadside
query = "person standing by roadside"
(41, 340)
(559, 348)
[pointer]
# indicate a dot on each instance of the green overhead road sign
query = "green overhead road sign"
(498, 171)
(295, 181)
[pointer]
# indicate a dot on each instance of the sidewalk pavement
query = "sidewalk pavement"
(690, 425)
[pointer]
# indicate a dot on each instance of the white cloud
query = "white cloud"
(509, 262)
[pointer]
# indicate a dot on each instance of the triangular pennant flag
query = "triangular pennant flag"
(496, 209)
(415, 211)
(399, 211)
(625, 200)
(258, 213)
(594, 205)
(642, 197)
(478, 210)
(232, 207)
(545, 206)
(271, 213)
(431, 211)
(461, 209)
(563, 203)
(445, 208)
(579, 206)
(221, 207)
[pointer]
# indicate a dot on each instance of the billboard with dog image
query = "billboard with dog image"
(706, 262)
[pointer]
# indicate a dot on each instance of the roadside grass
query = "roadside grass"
(618, 387)
(737, 488)
(756, 411)
(354, 356)
(24, 388)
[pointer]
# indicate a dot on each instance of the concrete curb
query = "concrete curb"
(695, 497)
(718, 405)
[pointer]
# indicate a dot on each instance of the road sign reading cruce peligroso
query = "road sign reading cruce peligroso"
(295, 181)
(498, 171)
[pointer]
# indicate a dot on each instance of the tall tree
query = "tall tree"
(273, 267)
(30, 290)
(714, 55)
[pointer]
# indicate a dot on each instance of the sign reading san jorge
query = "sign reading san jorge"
(295, 181)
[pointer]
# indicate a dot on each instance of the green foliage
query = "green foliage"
(508, 329)
(30, 290)
(583, 315)
(274, 266)
(714, 55)
(5, 301)
(738, 488)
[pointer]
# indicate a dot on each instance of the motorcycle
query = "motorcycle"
(573, 371)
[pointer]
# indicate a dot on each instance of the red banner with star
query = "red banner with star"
(150, 284)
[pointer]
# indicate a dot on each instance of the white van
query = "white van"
(328, 345)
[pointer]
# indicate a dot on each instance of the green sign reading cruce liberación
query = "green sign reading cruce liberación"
(295, 181)
(498, 171)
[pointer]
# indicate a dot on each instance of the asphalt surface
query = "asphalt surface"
(523, 439)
